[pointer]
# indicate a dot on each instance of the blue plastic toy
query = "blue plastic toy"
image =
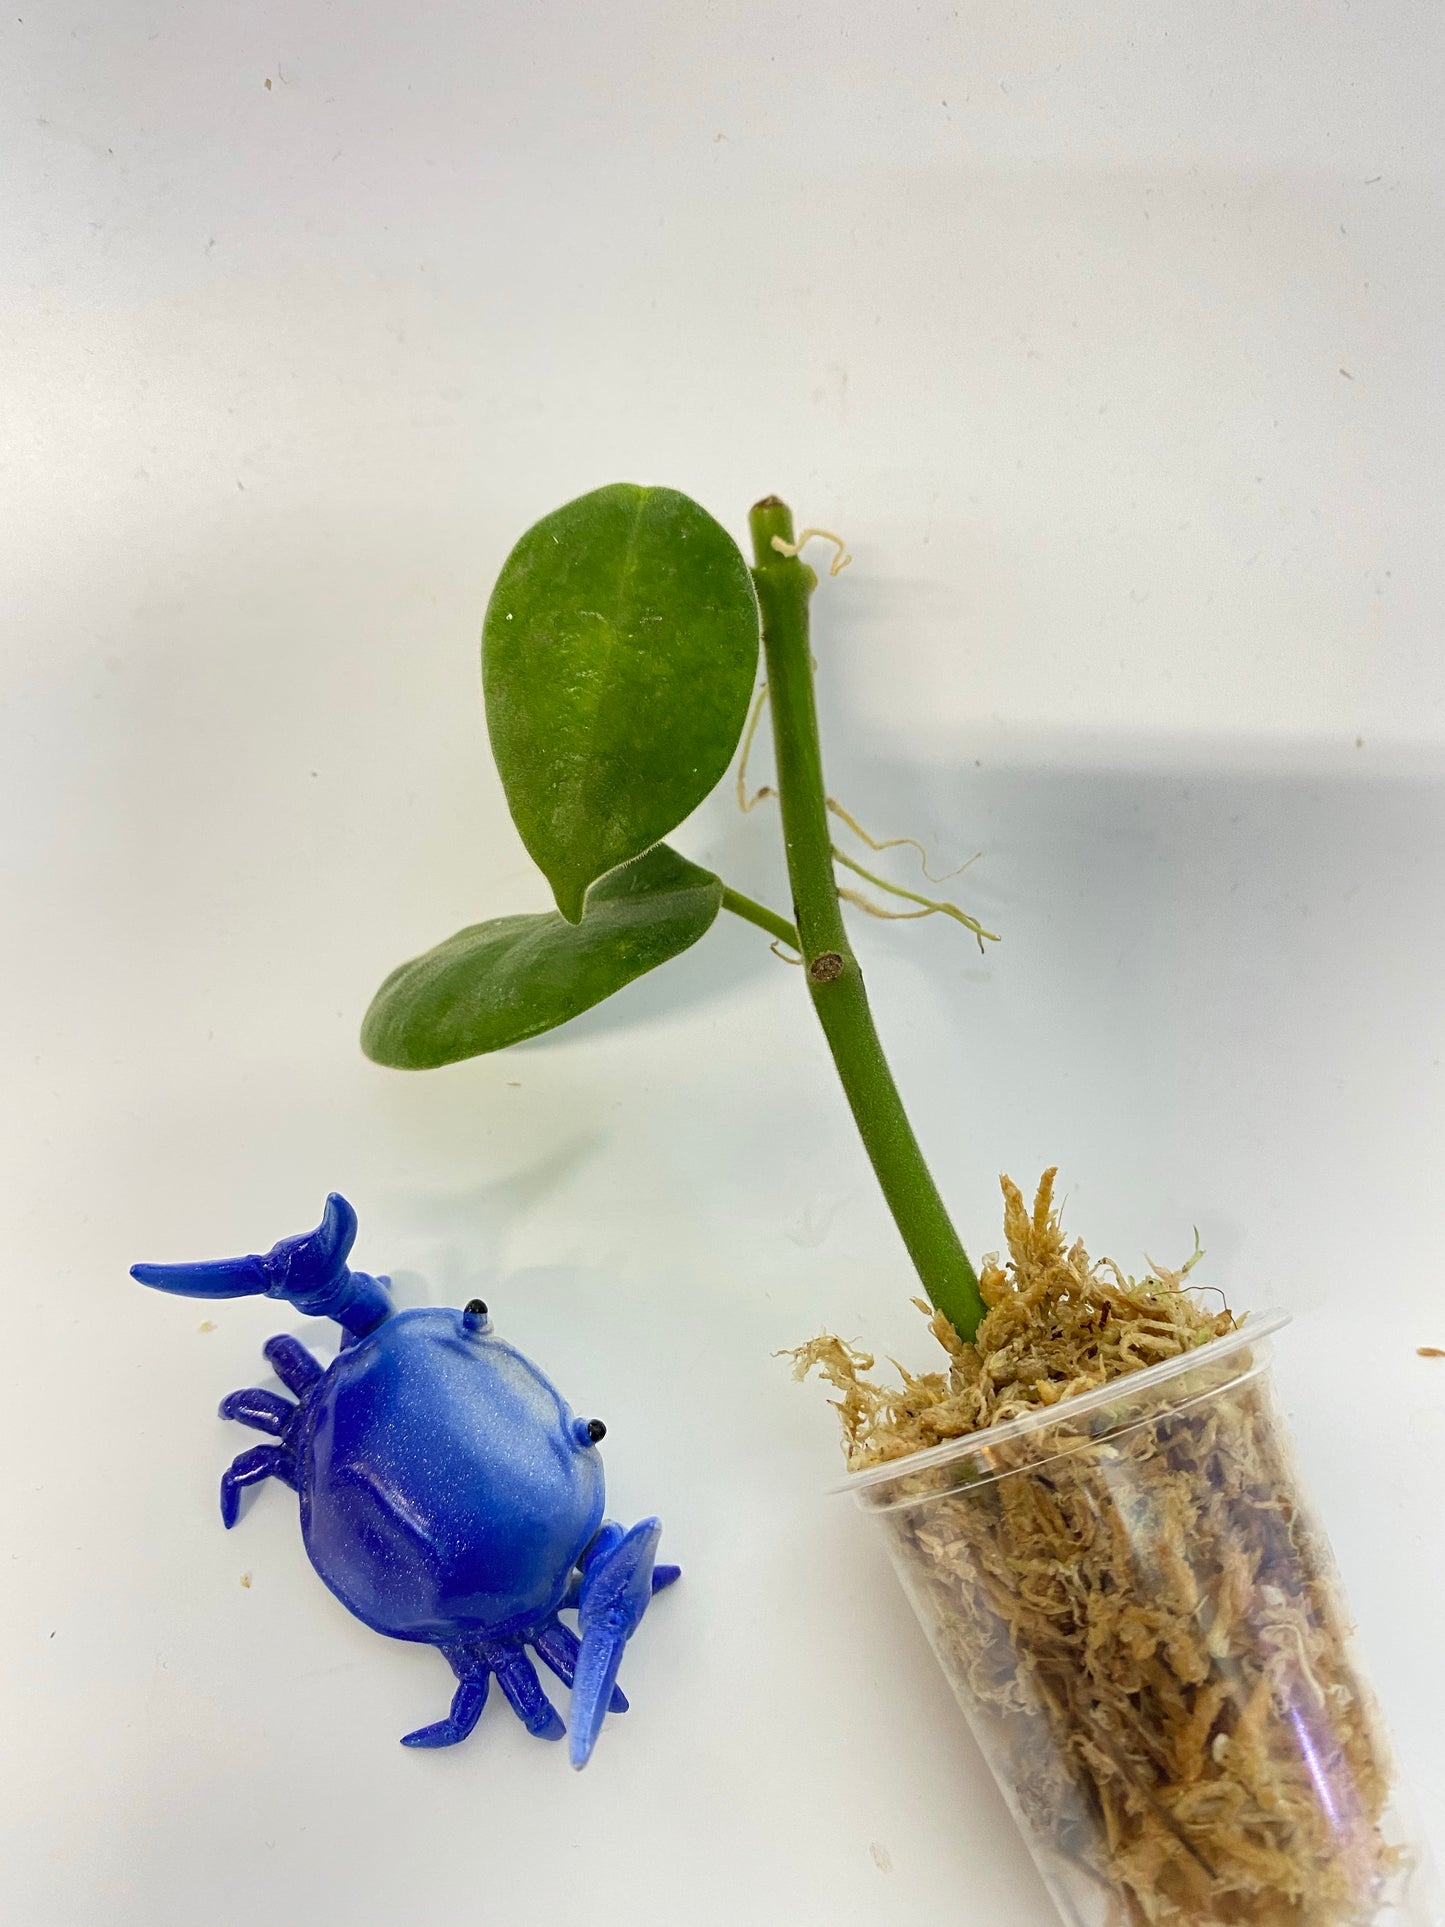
(447, 1492)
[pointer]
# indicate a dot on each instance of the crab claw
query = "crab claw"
(309, 1272)
(214, 1278)
(615, 1591)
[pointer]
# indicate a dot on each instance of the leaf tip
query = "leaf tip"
(570, 899)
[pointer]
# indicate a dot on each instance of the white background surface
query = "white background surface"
(1110, 337)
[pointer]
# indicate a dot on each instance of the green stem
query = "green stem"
(762, 916)
(835, 981)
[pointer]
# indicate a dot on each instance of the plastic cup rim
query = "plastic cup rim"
(1251, 1329)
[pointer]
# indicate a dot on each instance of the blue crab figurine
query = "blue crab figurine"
(447, 1492)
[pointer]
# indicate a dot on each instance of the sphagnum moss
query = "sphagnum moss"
(1150, 1619)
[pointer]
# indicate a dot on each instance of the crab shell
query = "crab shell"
(446, 1487)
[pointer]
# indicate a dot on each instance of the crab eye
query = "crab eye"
(474, 1317)
(588, 1431)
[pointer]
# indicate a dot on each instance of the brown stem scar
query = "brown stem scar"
(826, 967)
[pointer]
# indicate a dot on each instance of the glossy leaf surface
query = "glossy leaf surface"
(496, 983)
(619, 654)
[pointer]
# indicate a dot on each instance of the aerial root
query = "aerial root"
(881, 843)
(840, 560)
(746, 802)
(930, 906)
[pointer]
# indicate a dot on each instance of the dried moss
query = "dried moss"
(1143, 1622)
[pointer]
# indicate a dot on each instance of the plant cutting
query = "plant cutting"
(1090, 1498)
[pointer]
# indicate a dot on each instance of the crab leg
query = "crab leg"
(261, 1462)
(517, 1677)
(263, 1411)
(467, 1703)
(289, 1359)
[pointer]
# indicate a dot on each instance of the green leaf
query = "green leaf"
(496, 983)
(618, 657)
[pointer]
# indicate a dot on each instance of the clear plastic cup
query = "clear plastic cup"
(1142, 1621)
